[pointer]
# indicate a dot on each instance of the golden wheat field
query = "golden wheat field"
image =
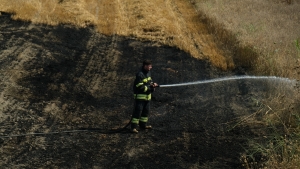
(157, 20)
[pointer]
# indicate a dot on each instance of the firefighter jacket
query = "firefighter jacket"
(141, 86)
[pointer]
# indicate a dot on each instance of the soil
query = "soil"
(61, 79)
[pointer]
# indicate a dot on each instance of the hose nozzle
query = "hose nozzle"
(154, 86)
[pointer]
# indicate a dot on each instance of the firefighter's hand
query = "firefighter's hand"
(154, 85)
(152, 88)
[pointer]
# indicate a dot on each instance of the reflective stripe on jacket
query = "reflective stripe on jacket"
(141, 86)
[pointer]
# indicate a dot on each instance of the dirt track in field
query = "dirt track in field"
(64, 78)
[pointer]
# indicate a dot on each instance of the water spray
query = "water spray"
(286, 80)
(230, 78)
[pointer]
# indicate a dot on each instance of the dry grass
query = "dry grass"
(169, 22)
(279, 146)
(268, 28)
(48, 12)
(264, 36)
(277, 123)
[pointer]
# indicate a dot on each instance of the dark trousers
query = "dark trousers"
(140, 113)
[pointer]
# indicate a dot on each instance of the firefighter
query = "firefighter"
(143, 87)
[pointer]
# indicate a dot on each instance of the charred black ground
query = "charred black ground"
(65, 78)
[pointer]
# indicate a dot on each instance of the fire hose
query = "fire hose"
(286, 80)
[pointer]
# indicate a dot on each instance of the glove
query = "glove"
(152, 88)
(155, 85)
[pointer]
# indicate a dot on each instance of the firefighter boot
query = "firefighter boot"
(133, 128)
(144, 126)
